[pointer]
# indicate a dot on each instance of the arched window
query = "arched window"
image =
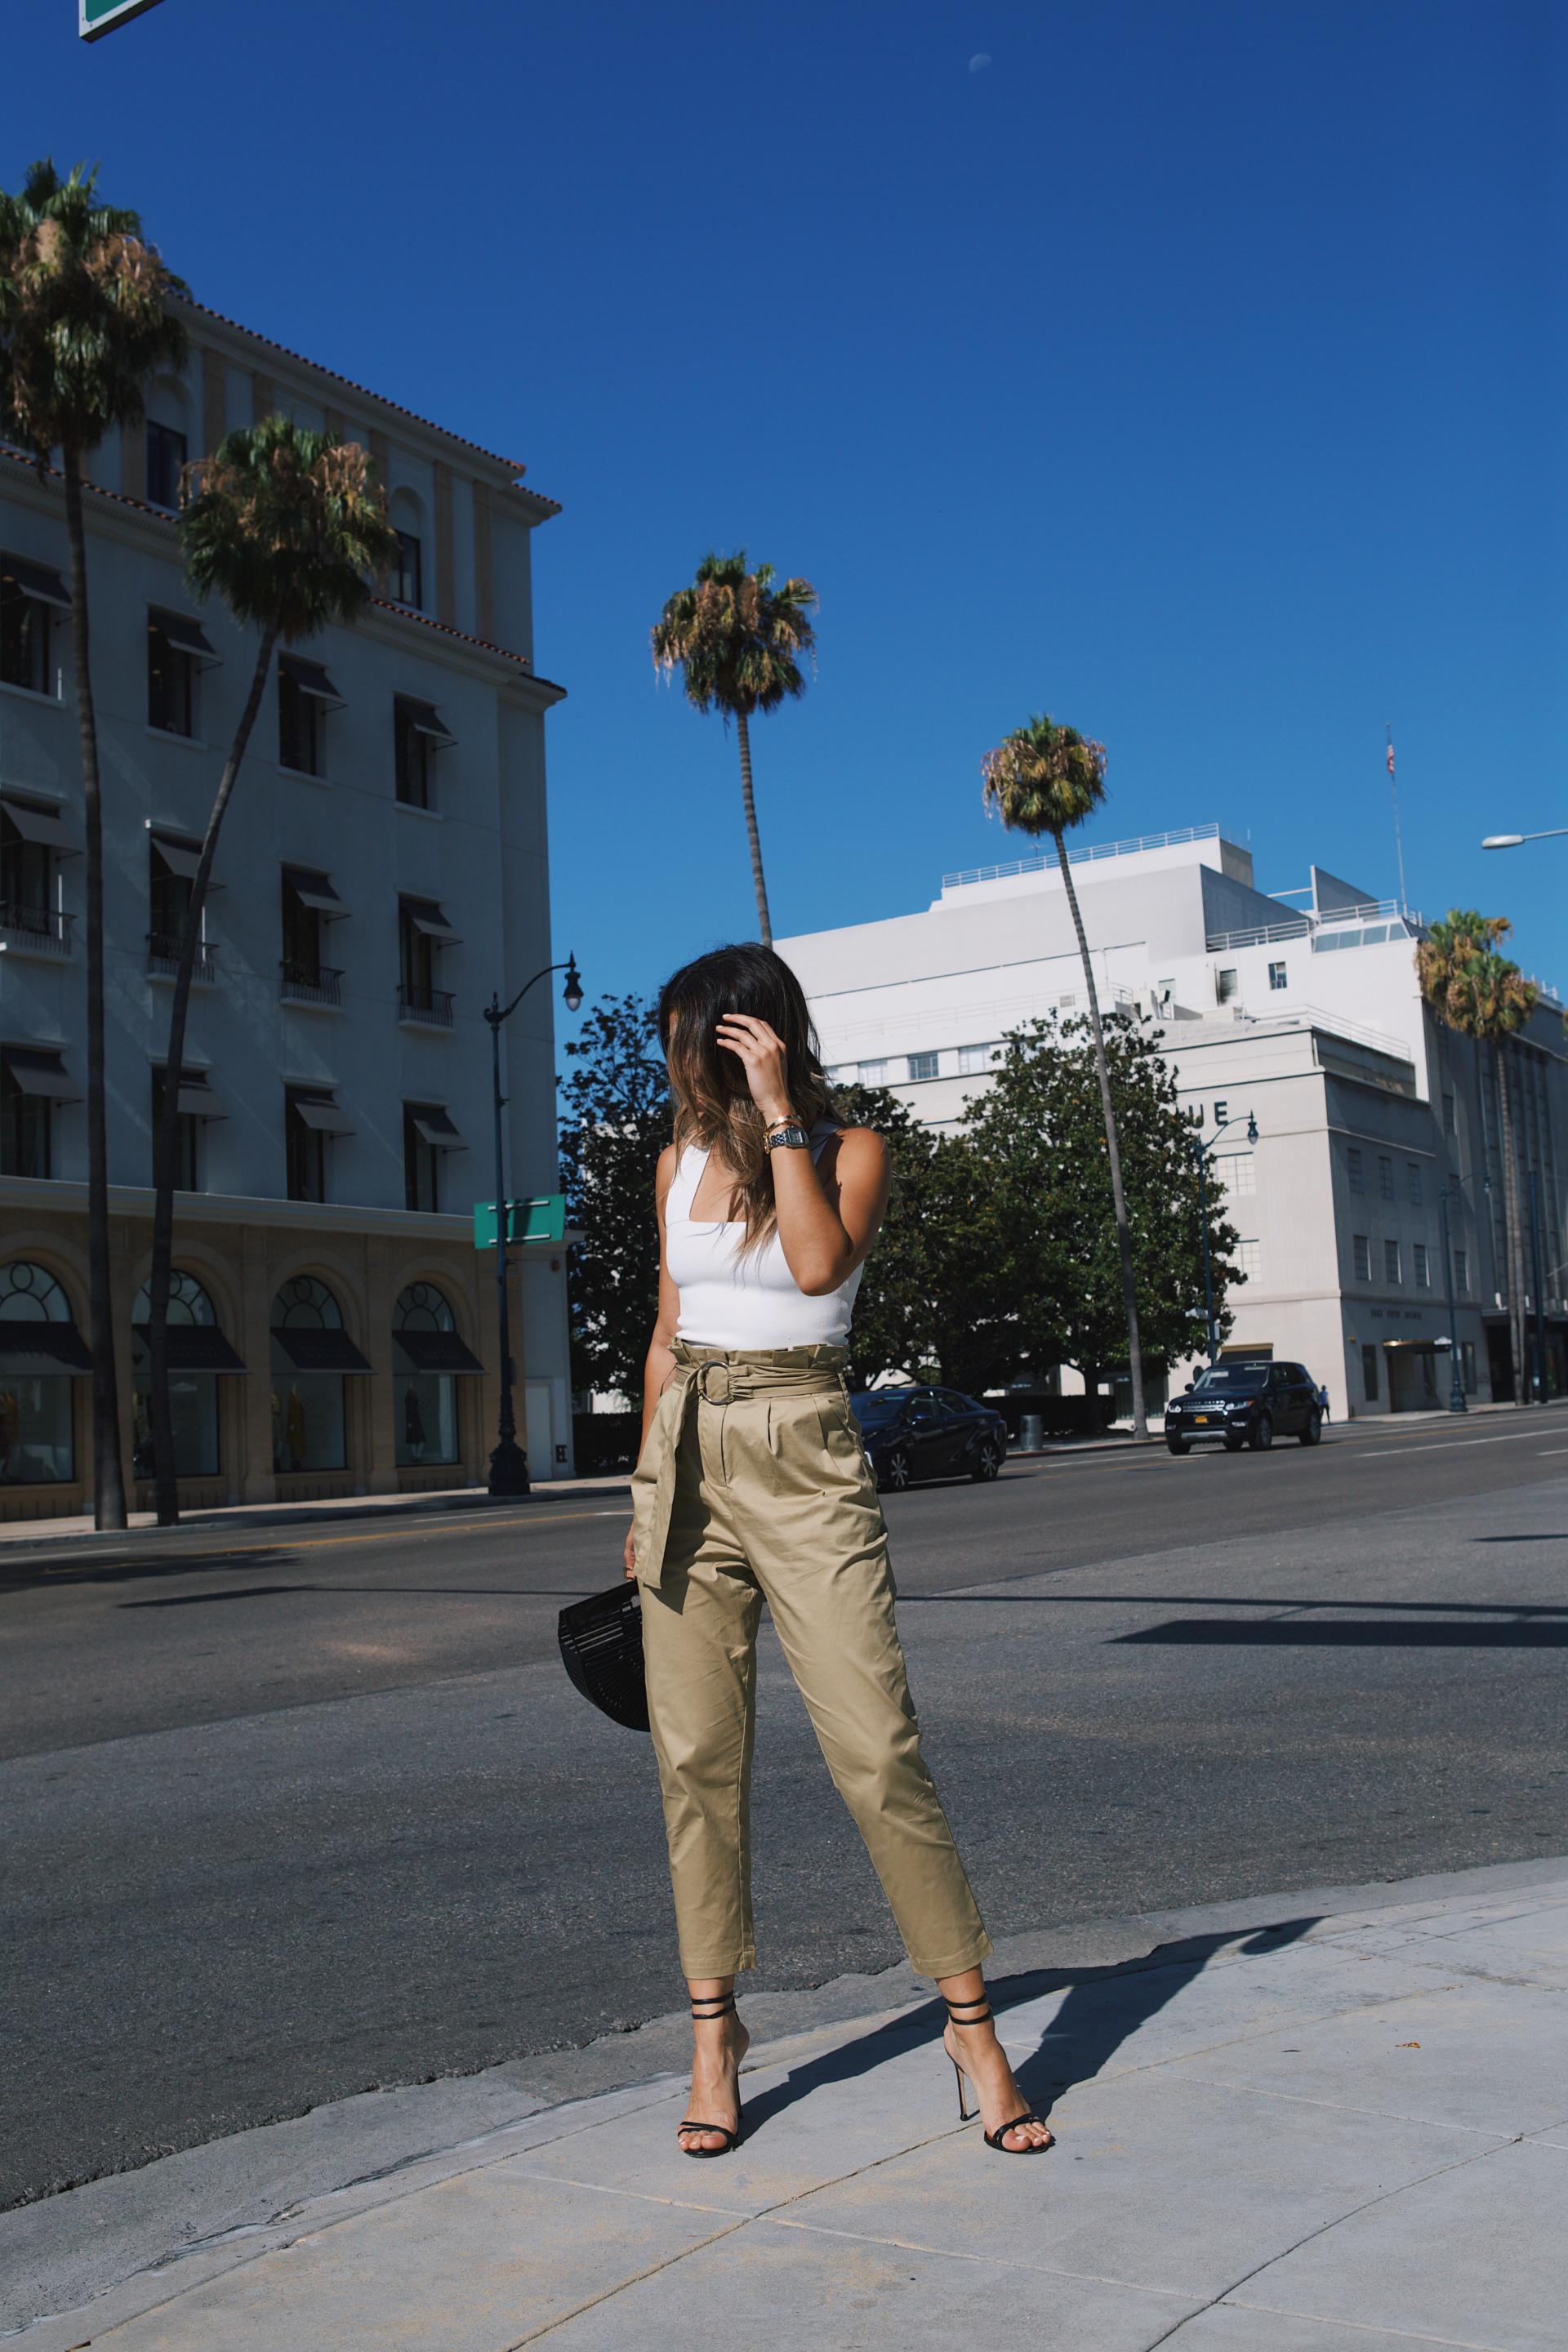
(198, 1354)
(428, 1357)
(40, 1349)
(312, 1353)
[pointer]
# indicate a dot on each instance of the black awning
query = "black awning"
(434, 1352)
(195, 1348)
(188, 635)
(41, 824)
(38, 580)
(35, 1351)
(426, 719)
(310, 1350)
(321, 1113)
(428, 919)
(40, 1070)
(436, 1129)
(314, 888)
(311, 678)
(181, 857)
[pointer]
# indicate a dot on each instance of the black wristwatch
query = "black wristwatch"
(790, 1138)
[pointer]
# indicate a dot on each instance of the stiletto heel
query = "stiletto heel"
(712, 2005)
(999, 2139)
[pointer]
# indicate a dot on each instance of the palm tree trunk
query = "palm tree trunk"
(1513, 1229)
(765, 921)
(1114, 1153)
(167, 1485)
(108, 1469)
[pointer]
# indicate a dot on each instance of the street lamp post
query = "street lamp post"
(1457, 1385)
(1517, 840)
(1201, 1151)
(509, 1463)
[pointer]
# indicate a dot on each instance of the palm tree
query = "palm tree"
(738, 641)
(1044, 778)
(1474, 989)
(83, 323)
(287, 526)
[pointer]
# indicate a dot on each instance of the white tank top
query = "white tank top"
(729, 1301)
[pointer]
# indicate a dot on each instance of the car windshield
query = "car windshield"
(870, 1406)
(1232, 1379)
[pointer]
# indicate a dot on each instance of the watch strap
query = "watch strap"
(790, 1137)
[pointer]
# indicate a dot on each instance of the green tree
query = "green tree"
(287, 526)
(617, 1118)
(1045, 779)
(83, 323)
(1038, 1137)
(738, 641)
(1472, 988)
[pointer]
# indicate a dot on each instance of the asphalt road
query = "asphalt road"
(293, 1813)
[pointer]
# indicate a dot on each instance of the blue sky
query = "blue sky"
(1192, 370)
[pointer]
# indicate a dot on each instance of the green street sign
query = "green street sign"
(96, 17)
(542, 1219)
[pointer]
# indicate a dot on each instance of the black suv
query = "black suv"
(1242, 1404)
(911, 1433)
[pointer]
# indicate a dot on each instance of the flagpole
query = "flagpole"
(1398, 836)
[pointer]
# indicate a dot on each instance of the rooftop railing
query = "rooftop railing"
(1308, 925)
(1047, 861)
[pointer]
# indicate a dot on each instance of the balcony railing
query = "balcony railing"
(40, 930)
(304, 983)
(431, 1004)
(164, 952)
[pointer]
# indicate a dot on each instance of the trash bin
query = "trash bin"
(1031, 1433)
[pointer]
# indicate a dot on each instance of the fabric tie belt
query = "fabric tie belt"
(714, 1376)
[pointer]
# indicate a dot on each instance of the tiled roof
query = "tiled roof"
(513, 465)
(137, 506)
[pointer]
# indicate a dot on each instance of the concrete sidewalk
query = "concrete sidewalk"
(1308, 2124)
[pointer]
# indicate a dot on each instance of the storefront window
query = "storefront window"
(309, 1421)
(426, 1398)
(39, 1350)
(193, 1391)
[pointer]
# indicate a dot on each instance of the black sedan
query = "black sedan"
(1246, 1404)
(911, 1433)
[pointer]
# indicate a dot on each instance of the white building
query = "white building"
(1301, 1011)
(382, 868)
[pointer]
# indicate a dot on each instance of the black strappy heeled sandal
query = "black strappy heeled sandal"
(966, 2114)
(712, 2005)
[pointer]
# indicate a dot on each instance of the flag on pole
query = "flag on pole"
(1391, 755)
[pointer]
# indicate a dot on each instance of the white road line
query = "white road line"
(1547, 1451)
(1445, 1444)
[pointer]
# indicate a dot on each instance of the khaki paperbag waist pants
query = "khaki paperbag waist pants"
(753, 1486)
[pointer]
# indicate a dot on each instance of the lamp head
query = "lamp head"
(1502, 841)
(1251, 1128)
(571, 994)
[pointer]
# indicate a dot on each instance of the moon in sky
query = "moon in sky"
(978, 63)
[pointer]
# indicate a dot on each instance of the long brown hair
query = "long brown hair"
(713, 1106)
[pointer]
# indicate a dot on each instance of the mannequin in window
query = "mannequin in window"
(413, 1423)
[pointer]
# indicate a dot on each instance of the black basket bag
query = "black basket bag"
(600, 1646)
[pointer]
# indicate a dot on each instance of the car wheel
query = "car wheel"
(1177, 1445)
(988, 1461)
(897, 1471)
(1263, 1434)
(1313, 1432)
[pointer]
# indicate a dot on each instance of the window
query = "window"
(1391, 1262)
(923, 1066)
(1449, 1127)
(171, 877)
(32, 1080)
(305, 695)
(1369, 1374)
(171, 683)
(1361, 1256)
(1423, 1266)
(187, 1139)
(1247, 1259)
(428, 1356)
(39, 1350)
(165, 462)
(1277, 976)
(1413, 1182)
(971, 1058)
(310, 1352)
(873, 1073)
(1237, 1171)
(408, 572)
(1467, 1364)
(198, 1352)
(30, 595)
(308, 904)
(1461, 1269)
(1225, 984)
(1386, 1177)
(29, 839)
(417, 736)
(427, 1135)
(422, 931)
(1355, 1173)
(311, 1119)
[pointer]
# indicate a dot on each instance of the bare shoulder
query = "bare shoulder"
(858, 1155)
(664, 1175)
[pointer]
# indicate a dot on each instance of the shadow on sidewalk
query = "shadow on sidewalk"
(1103, 2007)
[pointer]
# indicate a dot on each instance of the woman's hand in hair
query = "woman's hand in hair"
(763, 1056)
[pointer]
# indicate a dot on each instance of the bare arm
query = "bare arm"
(827, 1216)
(660, 1362)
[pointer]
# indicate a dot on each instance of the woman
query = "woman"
(751, 1485)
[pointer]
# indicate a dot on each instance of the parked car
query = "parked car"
(911, 1433)
(1242, 1404)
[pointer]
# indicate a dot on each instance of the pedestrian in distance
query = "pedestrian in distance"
(751, 1485)
(1324, 1402)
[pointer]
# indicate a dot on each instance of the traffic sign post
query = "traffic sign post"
(96, 17)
